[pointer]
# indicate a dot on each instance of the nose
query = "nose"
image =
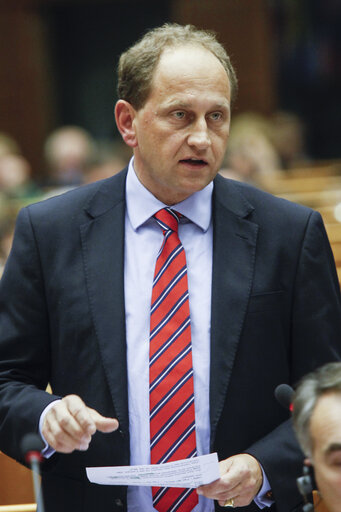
(199, 136)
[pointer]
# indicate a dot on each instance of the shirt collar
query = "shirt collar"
(142, 204)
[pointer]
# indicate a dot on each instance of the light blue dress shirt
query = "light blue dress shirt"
(143, 239)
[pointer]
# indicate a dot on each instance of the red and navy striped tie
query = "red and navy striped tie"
(172, 420)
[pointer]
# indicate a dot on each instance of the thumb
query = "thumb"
(102, 423)
(225, 466)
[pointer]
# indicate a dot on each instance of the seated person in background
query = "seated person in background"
(112, 157)
(317, 421)
(287, 134)
(16, 180)
(251, 155)
(69, 150)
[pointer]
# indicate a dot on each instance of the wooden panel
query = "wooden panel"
(336, 248)
(328, 213)
(316, 168)
(28, 507)
(315, 199)
(15, 482)
(307, 184)
(25, 102)
(334, 232)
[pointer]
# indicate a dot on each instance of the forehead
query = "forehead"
(325, 425)
(189, 69)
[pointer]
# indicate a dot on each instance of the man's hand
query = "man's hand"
(241, 479)
(69, 425)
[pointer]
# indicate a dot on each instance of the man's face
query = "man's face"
(182, 130)
(325, 428)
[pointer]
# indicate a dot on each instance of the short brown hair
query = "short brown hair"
(136, 65)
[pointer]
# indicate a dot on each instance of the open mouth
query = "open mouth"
(194, 161)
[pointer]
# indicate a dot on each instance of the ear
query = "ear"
(124, 116)
(307, 462)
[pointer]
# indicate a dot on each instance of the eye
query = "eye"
(337, 466)
(335, 460)
(179, 114)
(216, 116)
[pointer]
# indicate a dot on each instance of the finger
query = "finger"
(103, 424)
(62, 417)
(242, 491)
(61, 430)
(223, 484)
(69, 425)
(60, 440)
(236, 480)
(219, 491)
(80, 413)
(225, 465)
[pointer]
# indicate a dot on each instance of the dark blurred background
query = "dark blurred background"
(58, 58)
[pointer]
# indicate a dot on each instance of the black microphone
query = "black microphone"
(31, 446)
(284, 395)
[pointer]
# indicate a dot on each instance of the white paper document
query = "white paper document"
(182, 473)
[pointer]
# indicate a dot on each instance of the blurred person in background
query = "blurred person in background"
(287, 135)
(17, 188)
(69, 150)
(250, 155)
(112, 158)
(317, 422)
(16, 178)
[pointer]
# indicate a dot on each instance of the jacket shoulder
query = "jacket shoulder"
(262, 204)
(74, 202)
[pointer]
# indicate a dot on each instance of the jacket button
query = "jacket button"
(118, 502)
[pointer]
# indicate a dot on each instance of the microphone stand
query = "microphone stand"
(31, 446)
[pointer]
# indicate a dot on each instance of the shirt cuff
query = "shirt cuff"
(47, 451)
(264, 497)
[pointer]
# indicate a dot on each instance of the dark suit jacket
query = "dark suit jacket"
(275, 316)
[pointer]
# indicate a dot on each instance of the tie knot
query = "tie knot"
(168, 219)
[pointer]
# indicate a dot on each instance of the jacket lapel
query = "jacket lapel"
(234, 247)
(103, 256)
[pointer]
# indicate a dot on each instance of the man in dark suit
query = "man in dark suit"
(264, 298)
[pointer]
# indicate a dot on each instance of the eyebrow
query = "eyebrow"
(334, 447)
(184, 104)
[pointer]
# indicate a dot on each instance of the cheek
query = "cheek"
(328, 480)
(170, 144)
(219, 142)
(161, 140)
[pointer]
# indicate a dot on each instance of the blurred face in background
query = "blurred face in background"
(325, 429)
(15, 171)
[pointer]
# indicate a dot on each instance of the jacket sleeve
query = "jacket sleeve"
(24, 341)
